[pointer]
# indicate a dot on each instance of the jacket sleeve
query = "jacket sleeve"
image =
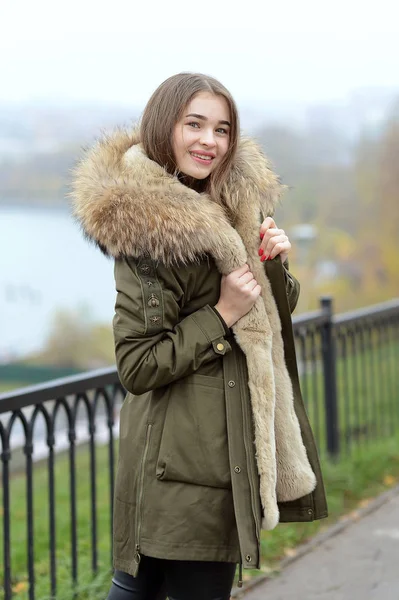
(292, 286)
(154, 346)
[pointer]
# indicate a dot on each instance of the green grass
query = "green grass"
(348, 482)
(18, 514)
(369, 463)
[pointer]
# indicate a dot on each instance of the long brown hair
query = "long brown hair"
(163, 111)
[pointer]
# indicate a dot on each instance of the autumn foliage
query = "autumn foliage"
(353, 208)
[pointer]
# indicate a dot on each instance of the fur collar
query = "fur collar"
(130, 206)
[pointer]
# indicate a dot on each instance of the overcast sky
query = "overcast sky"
(119, 51)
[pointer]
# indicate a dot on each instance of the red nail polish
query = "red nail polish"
(262, 235)
(260, 251)
(263, 257)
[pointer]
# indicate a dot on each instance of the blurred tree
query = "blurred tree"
(352, 201)
(74, 341)
(388, 179)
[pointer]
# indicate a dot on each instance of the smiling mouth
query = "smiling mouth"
(202, 158)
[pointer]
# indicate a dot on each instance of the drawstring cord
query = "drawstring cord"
(239, 582)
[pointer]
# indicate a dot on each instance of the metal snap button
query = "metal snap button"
(248, 558)
(231, 383)
(237, 469)
(145, 269)
(220, 347)
(310, 512)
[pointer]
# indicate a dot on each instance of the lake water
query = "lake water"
(45, 265)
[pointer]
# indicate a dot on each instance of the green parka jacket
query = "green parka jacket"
(214, 443)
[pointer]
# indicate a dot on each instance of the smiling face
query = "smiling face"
(201, 136)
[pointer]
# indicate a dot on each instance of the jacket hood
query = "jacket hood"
(129, 205)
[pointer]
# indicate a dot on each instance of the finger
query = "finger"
(280, 247)
(246, 277)
(283, 256)
(241, 270)
(257, 290)
(276, 239)
(267, 223)
(270, 233)
(252, 285)
(248, 287)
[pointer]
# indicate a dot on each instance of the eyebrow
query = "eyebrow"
(206, 118)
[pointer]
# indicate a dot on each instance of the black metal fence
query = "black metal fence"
(78, 412)
(67, 428)
(349, 374)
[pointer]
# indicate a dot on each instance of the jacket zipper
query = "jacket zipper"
(239, 582)
(290, 280)
(137, 555)
(253, 475)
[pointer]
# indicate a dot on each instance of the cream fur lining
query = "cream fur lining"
(131, 206)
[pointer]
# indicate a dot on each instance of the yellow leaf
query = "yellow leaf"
(354, 515)
(20, 587)
(364, 503)
(290, 552)
(389, 480)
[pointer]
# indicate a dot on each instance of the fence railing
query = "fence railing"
(67, 427)
(349, 374)
(38, 423)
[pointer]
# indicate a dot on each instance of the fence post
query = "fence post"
(330, 378)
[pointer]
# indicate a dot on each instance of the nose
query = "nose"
(208, 138)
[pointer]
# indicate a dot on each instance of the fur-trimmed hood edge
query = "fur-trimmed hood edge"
(130, 206)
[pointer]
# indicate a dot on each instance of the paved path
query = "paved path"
(360, 563)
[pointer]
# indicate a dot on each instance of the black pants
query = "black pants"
(174, 579)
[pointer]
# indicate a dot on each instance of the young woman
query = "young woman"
(214, 440)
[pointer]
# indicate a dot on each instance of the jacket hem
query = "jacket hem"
(301, 516)
(180, 552)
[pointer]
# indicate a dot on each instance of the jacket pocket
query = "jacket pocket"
(193, 446)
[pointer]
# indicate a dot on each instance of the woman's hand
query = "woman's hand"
(274, 241)
(238, 293)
